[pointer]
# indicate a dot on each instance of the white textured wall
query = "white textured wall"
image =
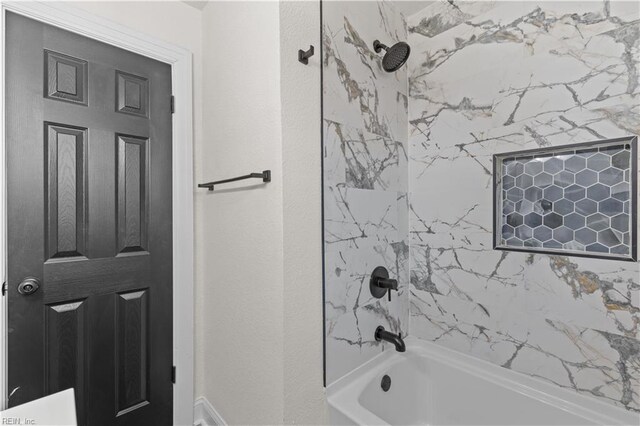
(302, 179)
(262, 317)
(240, 255)
(260, 260)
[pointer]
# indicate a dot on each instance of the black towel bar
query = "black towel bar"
(265, 176)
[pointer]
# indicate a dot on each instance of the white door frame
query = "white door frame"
(72, 19)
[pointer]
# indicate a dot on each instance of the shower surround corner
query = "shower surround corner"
(365, 181)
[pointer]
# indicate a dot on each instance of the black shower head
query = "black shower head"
(395, 57)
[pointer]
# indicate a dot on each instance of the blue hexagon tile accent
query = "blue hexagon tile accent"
(574, 200)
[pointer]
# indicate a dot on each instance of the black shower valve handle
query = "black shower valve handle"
(389, 292)
(380, 283)
(389, 283)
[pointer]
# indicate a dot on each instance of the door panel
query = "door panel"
(66, 179)
(133, 94)
(133, 184)
(66, 78)
(89, 215)
(132, 337)
(65, 350)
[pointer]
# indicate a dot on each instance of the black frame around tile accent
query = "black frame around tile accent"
(498, 159)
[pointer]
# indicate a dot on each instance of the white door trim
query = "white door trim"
(72, 19)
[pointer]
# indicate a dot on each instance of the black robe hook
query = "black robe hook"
(304, 56)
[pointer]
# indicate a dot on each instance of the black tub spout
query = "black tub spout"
(396, 339)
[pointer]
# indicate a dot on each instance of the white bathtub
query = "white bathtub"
(432, 385)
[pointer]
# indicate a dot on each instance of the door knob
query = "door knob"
(28, 286)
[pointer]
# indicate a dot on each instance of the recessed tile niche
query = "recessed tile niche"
(575, 199)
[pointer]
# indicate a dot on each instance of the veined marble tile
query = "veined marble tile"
(431, 150)
(465, 150)
(479, 104)
(600, 294)
(358, 217)
(362, 231)
(577, 92)
(365, 180)
(441, 16)
(457, 324)
(568, 23)
(606, 121)
(627, 10)
(479, 276)
(334, 167)
(358, 159)
(517, 76)
(470, 118)
(357, 91)
(430, 215)
(352, 314)
(403, 215)
(451, 254)
(399, 306)
(350, 338)
(448, 54)
(402, 114)
(594, 363)
(590, 361)
(530, 91)
(347, 274)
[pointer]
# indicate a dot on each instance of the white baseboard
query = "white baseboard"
(205, 415)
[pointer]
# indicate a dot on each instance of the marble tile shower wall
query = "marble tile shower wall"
(491, 77)
(365, 180)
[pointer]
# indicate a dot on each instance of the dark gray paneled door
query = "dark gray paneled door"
(89, 216)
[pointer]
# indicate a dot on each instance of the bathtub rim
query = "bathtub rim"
(343, 394)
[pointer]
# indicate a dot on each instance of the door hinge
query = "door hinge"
(173, 104)
(173, 374)
(4, 288)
